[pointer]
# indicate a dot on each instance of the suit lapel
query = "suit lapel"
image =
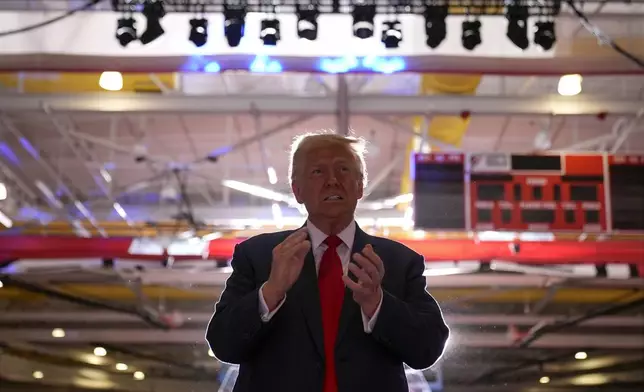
(307, 292)
(349, 305)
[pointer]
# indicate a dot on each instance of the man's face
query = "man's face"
(328, 182)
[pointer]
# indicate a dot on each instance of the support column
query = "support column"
(342, 111)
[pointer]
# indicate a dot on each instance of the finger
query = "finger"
(301, 250)
(351, 284)
(368, 265)
(294, 238)
(373, 256)
(296, 250)
(363, 277)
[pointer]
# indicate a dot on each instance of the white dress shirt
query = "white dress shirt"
(319, 247)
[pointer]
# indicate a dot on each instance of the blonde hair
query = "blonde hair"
(302, 144)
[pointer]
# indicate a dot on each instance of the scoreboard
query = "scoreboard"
(515, 192)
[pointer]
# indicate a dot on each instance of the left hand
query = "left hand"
(369, 270)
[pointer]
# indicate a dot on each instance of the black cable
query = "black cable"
(603, 38)
(89, 302)
(572, 322)
(89, 4)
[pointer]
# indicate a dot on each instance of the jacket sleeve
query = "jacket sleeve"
(412, 327)
(236, 328)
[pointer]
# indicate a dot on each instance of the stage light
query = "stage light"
(435, 25)
(153, 10)
(198, 31)
(471, 37)
(363, 16)
(270, 32)
(307, 21)
(517, 16)
(234, 23)
(544, 35)
(126, 31)
(391, 34)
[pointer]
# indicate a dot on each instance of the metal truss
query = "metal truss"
(104, 318)
(451, 7)
(185, 336)
(374, 105)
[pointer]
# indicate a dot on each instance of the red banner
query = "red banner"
(551, 252)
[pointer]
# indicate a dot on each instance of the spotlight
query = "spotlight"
(518, 25)
(471, 37)
(234, 23)
(391, 34)
(198, 31)
(126, 31)
(307, 21)
(435, 25)
(363, 16)
(270, 32)
(153, 11)
(544, 35)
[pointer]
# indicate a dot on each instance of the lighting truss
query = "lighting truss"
(544, 8)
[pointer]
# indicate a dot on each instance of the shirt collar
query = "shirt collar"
(318, 236)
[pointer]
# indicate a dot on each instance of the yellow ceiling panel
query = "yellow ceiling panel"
(564, 295)
(86, 82)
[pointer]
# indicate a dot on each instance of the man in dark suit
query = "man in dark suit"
(326, 308)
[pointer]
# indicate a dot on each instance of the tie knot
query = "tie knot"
(333, 241)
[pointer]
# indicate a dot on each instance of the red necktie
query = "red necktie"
(331, 296)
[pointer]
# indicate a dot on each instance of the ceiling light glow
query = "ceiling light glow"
(111, 81)
(58, 333)
(569, 85)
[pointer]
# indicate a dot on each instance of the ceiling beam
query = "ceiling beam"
(358, 105)
(190, 336)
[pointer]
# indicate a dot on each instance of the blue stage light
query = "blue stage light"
(263, 64)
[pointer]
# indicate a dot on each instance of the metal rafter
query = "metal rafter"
(86, 160)
(125, 103)
(101, 317)
(9, 125)
(189, 336)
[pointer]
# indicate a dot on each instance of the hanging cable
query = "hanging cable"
(86, 6)
(601, 37)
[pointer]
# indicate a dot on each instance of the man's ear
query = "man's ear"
(296, 192)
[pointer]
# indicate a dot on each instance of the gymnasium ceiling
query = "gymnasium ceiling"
(489, 313)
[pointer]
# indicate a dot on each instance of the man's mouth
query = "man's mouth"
(333, 197)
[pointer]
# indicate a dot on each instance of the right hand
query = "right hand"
(288, 260)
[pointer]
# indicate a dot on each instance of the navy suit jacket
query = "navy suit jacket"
(286, 354)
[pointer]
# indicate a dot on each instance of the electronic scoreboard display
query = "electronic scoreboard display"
(626, 185)
(515, 192)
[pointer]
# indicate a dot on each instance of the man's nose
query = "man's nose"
(331, 179)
